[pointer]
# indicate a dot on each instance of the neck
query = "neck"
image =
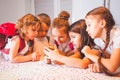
(26, 39)
(103, 35)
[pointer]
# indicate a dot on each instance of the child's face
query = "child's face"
(43, 30)
(75, 39)
(59, 35)
(31, 32)
(94, 27)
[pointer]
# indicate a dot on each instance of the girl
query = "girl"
(100, 26)
(79, 38)
(60, 37)
(28, 27)
(42, 38)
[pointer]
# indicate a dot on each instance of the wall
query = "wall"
(81, 7)
(11, 10)
(115, 10)
(53, 7)
(43, 6)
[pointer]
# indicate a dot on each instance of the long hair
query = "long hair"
(105, 14)
(80, 28)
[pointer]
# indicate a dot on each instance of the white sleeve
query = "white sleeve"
(116, 40)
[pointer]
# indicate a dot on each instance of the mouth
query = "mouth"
(89, 34)
(74, 45)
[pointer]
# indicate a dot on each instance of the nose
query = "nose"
(44, 33)
(71, 40)
(36, 33)
(87, 29)
(57, 39)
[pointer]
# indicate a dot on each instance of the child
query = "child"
(28, 27)
(100, 26)
(60, 28)
(61, 39)
(42, 38)
(62, 15)
(79, 38)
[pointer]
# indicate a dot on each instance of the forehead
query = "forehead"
(58, 32)
(44, 26)
(73, 33)
(92, 18)
(35, 27)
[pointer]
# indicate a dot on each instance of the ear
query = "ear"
(103, 23)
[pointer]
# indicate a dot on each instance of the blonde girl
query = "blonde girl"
(28, 27)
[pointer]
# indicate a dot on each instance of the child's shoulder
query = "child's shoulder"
(116, 30)
(16, 38)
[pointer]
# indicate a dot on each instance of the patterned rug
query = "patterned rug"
(42, 71)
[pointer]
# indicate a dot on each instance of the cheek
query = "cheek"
(39, 34)
(78, 43)
(71, 39)
(62, 40)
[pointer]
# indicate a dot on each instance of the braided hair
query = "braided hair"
(105, 14)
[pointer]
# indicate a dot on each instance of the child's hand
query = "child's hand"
(51, 53)
(35, 56)
(87, 50)
(47, 60)
(94, 67)
(57, 62)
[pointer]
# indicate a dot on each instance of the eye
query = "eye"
(72, 36)
(33, 29)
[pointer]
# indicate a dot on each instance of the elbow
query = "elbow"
(83, 65)
(13, 60)
(112, 69)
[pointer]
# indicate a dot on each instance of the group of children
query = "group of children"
(91, 42)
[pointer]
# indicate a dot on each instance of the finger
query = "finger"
(90, 66)
(94, 68)
(46, 49)
(33, 58)
(98, 68)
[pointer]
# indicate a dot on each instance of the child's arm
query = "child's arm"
(111, 63)
(76, 54)
(13, 54)
(69, 61)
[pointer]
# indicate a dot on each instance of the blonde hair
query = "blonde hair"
(105, 14)
(61, 23)
(26, 21)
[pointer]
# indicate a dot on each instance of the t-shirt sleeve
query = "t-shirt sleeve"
(116, 40)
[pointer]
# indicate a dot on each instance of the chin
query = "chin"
(31, 38)
(92, 36)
